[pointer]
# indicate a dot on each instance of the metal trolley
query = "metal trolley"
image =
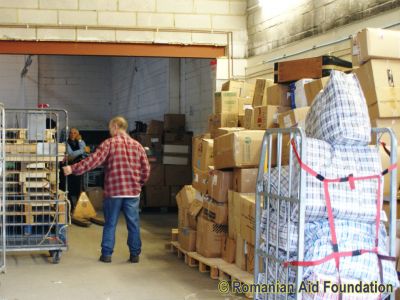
(37, 211)
(275, 145)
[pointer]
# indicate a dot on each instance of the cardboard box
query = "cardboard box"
(156, 175)
(96, 197)
(203, 153)
(248, 118)
(393, 123)
(239, 149)
(313, 88)
(228, 250)
(173, 192)
(234, 207)
(176, 138)
(278, 94)
(174, 122)
(216, 121)
(200, 180)
(375, 43)
(267, 116)
(185, 196)
(240, 256)
(225, 130)
(209, 238)
(293, 118)
(187, 239)
(297, 93)
(243, 104)
(380, 82)
(247, 218)
(242, 89)
(155, 127)
(385, 159)
(260, 92)
(175, 160)
(157, 196)
(226, 102)
(178, 175)
(153, 141)
(250, 259)
(215, 211)
(244, 180)
(176, 149)
(219, 182)
(194, 210)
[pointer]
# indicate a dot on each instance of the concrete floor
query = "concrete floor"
(159, 275)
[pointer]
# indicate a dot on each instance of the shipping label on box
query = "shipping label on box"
(215, 211)
(218, 185)
(277, 95)
(226, 102)
(293, 118)
(267, 116)
(313, 88)
(209, 238)
(243, 104)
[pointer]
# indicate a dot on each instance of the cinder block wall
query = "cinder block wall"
(116, 20)
(274, 24)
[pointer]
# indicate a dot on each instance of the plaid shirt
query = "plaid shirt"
(126, 166)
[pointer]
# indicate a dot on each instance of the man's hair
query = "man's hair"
(120, 122)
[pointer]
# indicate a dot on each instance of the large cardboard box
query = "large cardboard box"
(247, 218)
(215, 211)
(313, 88)
(267, 116)
(157, 196)
(243, 89)
(156, 175)
(240, 255)
(219, 182)
(260, 92)
(209, 238)
(243, 104)
(248, 118)
(174, 122)
(375, 43)
(96, 196)
(239, 149)
(226, 102)
(216, 121)
(155, 127)
(278, 94)
(392, 123)
(228, 250)
(194, 210)
(244, 180)
(178, 138)
(293, 118)
(187, 239)
(178, 175)
(380, 82)
(235, 214)
(200, 180)
(203, 153)
(184, 199)
(225, 130)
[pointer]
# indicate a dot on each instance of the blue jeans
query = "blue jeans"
(130, 208)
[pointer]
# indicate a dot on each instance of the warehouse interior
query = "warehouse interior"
(191, 77)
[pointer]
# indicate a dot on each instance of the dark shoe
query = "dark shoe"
(134, 259)
(105, 259)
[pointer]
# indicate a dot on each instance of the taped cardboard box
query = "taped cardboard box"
(156, 175)
(247, 218)
(226, 102)
(239, 149)
(194, 211)
(228, 250)
(392, 123)
(203, 153)
(243, 104)
(209, 238)
(96, 196)
(215, 211)
(293, 118)
(178, 138)
(187, 239)
(313, 88)
(216, 121)
(240, 255)
(380, 82)
(267, 116)
(278, 94)
(155, 127)
(260, 92)
(244, 180)
(178, 175)
(225, 130)
(184, 199)
(243, 89)
(157, 196)
(174, 122)
(248, 118)
(375, 43)
(219, 182)
(200, 180)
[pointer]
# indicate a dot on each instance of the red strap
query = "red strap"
(351, 182)
(302, 165)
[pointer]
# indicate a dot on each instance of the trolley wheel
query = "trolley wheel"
(55, 256)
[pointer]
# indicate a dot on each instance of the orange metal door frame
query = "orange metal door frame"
(110, 49)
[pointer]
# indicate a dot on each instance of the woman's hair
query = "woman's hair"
(120, 122)
(78, 137)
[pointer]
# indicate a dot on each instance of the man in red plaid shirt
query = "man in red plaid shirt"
(126, 171)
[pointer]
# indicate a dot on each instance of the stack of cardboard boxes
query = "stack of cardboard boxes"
(168, 146)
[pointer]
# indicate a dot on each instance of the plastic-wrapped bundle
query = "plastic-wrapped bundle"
(339, 114)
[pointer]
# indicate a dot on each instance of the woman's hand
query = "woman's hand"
(67, 170)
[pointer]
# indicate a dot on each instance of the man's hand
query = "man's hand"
(67, 170)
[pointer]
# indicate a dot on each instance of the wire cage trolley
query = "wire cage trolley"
(281, 213)
(37, 210)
